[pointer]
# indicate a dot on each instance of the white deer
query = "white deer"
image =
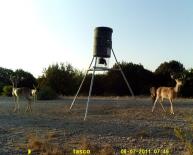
(168, 93)
(20, 92)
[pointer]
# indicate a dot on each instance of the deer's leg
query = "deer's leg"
(161, 101)
(27, 108)
(155, 103)
(28, 105)
(15, 104)
(172, 110)
(34, 99)
(30, 109)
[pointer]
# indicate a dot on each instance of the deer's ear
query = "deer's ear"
(172, 76)
(182, 76)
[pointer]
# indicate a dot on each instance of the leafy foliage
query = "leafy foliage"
(188, 84)
(4, 77)
(164, 71)
(63, 79)
(7, 90)
(139, 78)
(47, 93)
(167, 68)
(26, 79)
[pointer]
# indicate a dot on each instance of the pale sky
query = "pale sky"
(37, 33)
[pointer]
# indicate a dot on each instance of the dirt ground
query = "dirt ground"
(112, 125)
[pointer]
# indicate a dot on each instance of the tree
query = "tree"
(164, 71)
(138, 78)
(26, 79)
(63, 79)
(187, 88)
(167, 68)
(4, 77)
(99, 85)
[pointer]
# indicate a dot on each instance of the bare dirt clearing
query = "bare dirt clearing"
(111, 124)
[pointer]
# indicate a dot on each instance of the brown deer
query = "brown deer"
(20, 92)
(169, 93)
(153, 96)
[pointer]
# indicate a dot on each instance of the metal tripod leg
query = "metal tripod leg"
(90, 90)
(127, 83)
(81, 85)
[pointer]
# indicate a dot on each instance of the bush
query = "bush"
(186, 136)
(47, 93)
(1, 86)
(7, 90)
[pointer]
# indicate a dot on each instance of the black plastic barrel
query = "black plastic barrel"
(102, 42)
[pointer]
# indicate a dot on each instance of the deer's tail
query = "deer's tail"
(153, 93)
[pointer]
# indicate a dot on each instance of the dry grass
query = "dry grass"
(44, 145)
(143, 133)
(109, 125)
(85, 143)
(107, 150)
(186, 137)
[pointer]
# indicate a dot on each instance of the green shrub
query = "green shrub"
(7, 90)
(47, 93)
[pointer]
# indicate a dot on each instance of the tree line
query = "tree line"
(64, 79)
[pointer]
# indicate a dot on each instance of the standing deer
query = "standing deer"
(20, 92)
(34, 93)
(167, 92)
